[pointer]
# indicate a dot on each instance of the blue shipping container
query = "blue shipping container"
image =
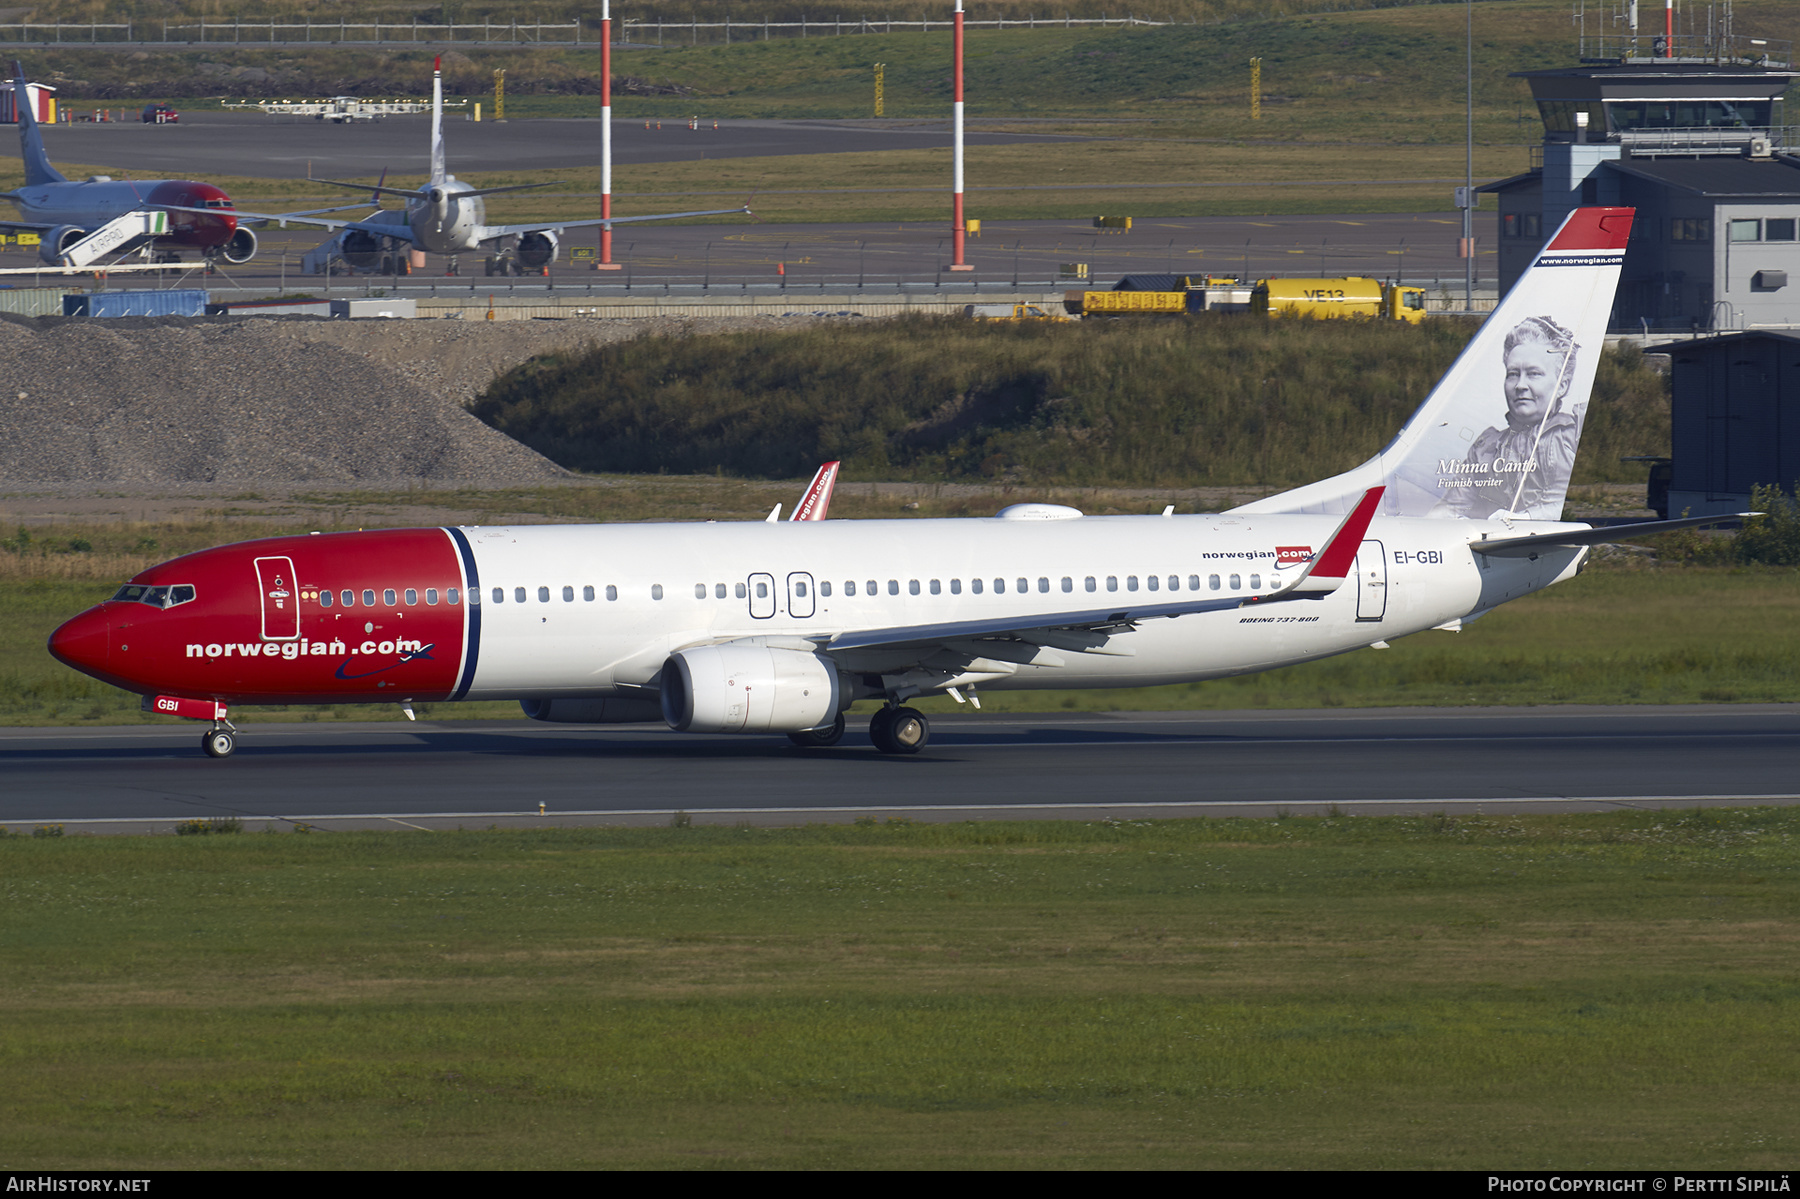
(137, 303)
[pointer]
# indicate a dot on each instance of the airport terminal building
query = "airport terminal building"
(1700, 149)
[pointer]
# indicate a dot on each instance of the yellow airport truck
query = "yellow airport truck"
(1120, 303)
(1327, 299)
(1013, 312)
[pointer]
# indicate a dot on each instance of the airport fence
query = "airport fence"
(239, 31)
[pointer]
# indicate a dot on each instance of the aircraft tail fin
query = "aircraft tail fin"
(31, 140)
(437, 121)
(1498, 434)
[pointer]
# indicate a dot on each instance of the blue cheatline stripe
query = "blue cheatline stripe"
(472, 606)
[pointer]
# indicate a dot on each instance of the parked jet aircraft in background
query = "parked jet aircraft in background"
(779, 626)
(195, 216)
(448, 216)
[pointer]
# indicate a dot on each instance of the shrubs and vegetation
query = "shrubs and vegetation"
(1201, 401)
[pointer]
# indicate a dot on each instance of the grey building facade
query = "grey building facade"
(1701, 151)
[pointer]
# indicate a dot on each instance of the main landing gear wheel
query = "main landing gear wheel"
(218, 743)
(899, 730)
(817, 738)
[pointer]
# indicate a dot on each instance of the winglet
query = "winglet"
(813, 504)
(1331, 565)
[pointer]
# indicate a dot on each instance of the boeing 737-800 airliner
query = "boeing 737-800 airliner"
(779, 626)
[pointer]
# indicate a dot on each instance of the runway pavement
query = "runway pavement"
(474, 774)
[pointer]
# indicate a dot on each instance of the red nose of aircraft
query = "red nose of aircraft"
(84, 641)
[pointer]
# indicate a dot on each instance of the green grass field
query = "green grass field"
(1581, 992)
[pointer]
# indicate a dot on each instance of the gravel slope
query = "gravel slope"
(265, 401)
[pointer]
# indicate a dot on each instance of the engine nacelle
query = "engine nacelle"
(537, 249)
(56, 242)
(592, 711)
(749, 689)
(241, 248)
(361, 250)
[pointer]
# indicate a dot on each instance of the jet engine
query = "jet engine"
(537, 249)
(592, 711)
(749, 688)
(241, 248)
(360, 249)
(58, 240)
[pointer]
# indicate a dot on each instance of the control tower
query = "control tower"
(1690, 131)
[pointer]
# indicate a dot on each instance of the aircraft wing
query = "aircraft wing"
(1529, 547)
(492, 231)
(1323, 574)
(34, 226)
(399, 232)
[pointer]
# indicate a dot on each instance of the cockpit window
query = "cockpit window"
(156, 597)
(217, 204)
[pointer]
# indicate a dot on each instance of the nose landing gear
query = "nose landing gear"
(220, 740)
(899, 730)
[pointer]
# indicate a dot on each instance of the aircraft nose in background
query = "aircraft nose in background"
(83, 642)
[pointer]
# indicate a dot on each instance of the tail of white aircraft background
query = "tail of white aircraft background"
(1497, 436)
(437, 121)
(31, 139)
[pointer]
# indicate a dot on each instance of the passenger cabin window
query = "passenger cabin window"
(1112, 582)
(431, 596)
(412, 597)
(937, 588)
(1024, 586)
(912, 586)
(800, 589)
(1151, 582)
(387, 598)
(543, 595)
(955, 586)
(454, 596)
(518, 595)
(499, 595)
(699, 590)
(869, 588)
(1090, 583)
(612, 593)
(999, 586)
(849, 586)
(1068, 584)
(348, 598)
(368, 599)
(762, 591)
(719, 591)
(568, 595)
(656, 590)
(893, 586)
(742, 591)
(1193, 582)
(1237, 582)
(325, 599)
(587, 593)
(975, 586)
(1212, 582)
(1255, 582)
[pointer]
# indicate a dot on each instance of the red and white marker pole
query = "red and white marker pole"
(1668, 28)
(606, 263)
(956, 211)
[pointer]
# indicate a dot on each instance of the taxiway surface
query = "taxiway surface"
(249, 143)
(976, 767)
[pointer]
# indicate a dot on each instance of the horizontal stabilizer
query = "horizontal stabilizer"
(1528, 547)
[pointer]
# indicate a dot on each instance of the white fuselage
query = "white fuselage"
(451, 226)
(810, 580)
